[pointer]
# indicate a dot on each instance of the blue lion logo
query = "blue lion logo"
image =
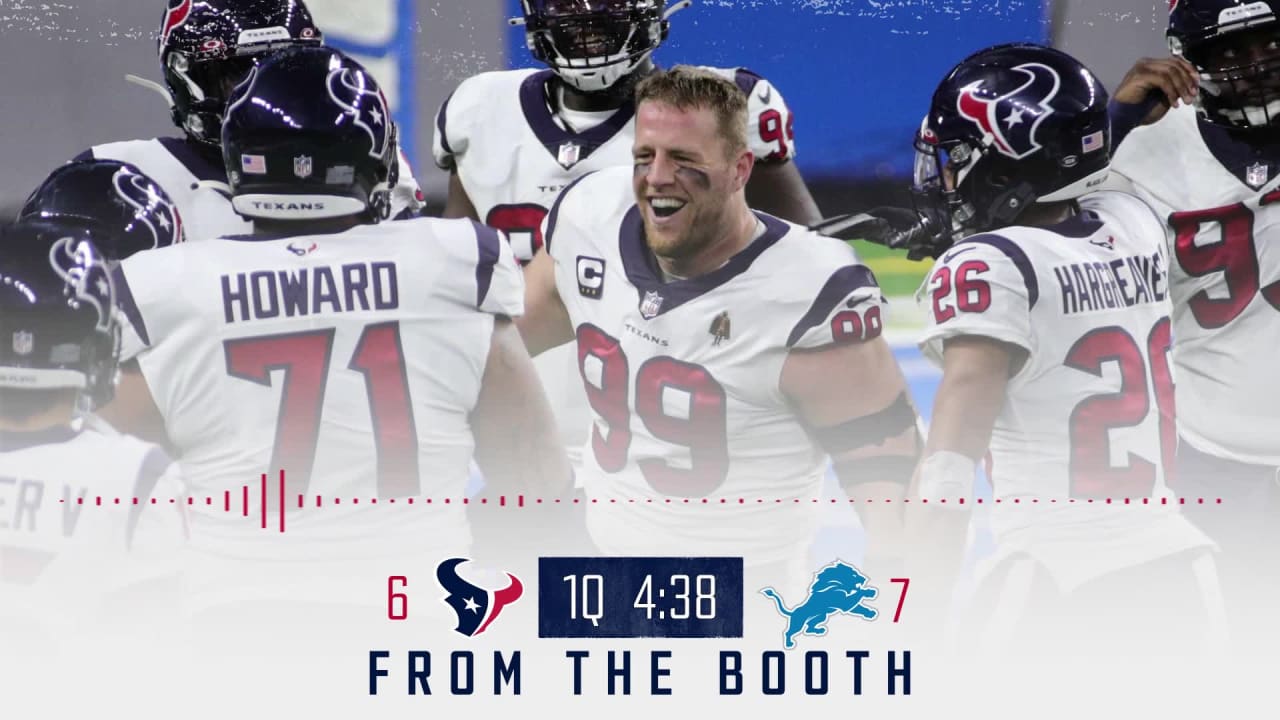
(838, 587)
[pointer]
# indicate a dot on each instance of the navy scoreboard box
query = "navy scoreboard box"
(640, 597)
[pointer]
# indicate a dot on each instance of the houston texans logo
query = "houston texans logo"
(475, 607)
(1008, 124)
(364, 103)
(152, 209)
(82, 268)
(176, 14)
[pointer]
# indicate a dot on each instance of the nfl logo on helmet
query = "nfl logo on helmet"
(23, 342)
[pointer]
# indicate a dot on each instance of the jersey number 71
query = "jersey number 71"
(304, 359)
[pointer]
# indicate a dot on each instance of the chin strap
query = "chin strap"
(218, 185)
(151, 85)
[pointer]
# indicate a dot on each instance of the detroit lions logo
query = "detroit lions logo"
(174, 15)
(836, 588)
(83, 269)
(475, 606)
(1010, 125)
(152, 208)
(365, 105)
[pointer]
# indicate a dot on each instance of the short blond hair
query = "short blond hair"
(686, 87)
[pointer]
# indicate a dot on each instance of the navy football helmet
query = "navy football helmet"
(309, 136)
(592, 44)
(1235, 44)
(126, 210)
(58, 324)
(208, 46)
(1008, 127)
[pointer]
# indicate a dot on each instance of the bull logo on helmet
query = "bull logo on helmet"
(364, 103)
(175, 14)
(80, 266)
(1010, 121)
(152, 209)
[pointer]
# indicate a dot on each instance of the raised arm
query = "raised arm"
(518, 446)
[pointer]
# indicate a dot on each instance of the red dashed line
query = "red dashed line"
(522, 501)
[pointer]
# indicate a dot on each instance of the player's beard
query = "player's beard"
(699, 230)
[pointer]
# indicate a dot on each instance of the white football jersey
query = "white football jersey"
(1087, 428)
(1224, 278)
(77, 524)
(693, 448)
(514, 155)
(206, 210)
(351, 361)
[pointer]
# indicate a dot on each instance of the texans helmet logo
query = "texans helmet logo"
(1007, 123)
(364, 103)
(82, 268)
(475, 607)
(174, 15)
(152, 209)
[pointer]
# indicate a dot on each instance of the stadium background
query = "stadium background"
(857, 74)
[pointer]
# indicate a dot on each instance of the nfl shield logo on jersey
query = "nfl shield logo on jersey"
(651, 305)
(23, 342)
(1257, 174)
(569, 155)
(302, 166)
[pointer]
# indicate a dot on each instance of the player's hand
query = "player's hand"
(893, 227)
(1162, 82)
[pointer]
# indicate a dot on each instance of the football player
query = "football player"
(1211, 169)
(352, 362)
(725, 353)
(66, 561)
(511, 140)
(1049, 317)
(126, 210)
(206, 49)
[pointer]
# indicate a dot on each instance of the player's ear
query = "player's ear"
(743, 165)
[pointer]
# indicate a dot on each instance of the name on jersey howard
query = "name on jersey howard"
(269, 294)
(1122, 282)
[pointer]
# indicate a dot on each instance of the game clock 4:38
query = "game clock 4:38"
(645, 597)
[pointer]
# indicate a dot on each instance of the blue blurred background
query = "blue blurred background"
(857, 75)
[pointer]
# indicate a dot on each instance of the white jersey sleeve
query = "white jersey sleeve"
(982, 287)
(453, 128)
(850, 307)
(770, 123)
(499, 282)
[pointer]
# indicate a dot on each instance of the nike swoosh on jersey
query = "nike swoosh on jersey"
(956, 252)
(765, 94)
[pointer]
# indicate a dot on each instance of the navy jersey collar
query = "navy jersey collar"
(193, 159)
(1236, 156)
(643, 272)
(536, 105)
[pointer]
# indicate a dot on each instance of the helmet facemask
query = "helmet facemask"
(594, 44)
(1239, 74)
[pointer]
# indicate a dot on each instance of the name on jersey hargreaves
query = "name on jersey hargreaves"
(268, 294)
(1122, 282)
